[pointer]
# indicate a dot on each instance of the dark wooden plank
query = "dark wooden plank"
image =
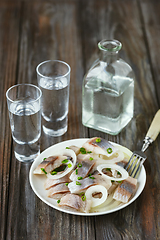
(9, 32)
(112, 20)
(118, 21)
(151, 22)
(53, 32)
(70, 31)
(48, 31)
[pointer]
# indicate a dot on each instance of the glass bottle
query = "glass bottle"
(108, 91)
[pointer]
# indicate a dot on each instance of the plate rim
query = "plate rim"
(40, 158)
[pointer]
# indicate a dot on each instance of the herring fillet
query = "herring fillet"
(53, 182)
(82, 171)
(75, 202)
(99, 147)
(82, 185)
(50, 164)
(125, 190)
(75, 149)
(61, 188)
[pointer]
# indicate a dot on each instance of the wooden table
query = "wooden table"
(33, 31)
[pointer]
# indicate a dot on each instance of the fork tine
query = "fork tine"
(139, 167)
(138, 170)
(135, 162)
(129, 162)
(135, 166)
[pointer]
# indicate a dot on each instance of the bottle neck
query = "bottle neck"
(107, 57)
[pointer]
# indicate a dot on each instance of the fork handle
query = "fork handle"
(153, 132)
(154, 128)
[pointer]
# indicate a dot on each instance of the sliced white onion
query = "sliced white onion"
(96, 189)
(65, 152)
(120, 169)
(113, 204)
(119, 158)
(61, 174)
(70, 153)
(106, 203)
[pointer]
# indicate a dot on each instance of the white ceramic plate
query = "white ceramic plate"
(37, 181)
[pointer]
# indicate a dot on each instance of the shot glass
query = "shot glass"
(54, 79)
(25, 120)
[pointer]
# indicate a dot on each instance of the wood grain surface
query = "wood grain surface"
(69, 30)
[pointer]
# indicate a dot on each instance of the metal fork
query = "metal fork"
(137, 159)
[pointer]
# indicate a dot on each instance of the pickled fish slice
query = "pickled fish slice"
(49, 164)
(100, 146)
(83, 170)
(75, 149)
(83, 157)
(81, 185)
(53, 182)
(58, 189)
(125, 190)
(122, 163)
(75, 202)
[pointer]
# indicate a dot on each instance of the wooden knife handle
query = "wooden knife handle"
(154, 128)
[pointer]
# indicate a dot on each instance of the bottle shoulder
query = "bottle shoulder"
(117, 68)
(118, 75)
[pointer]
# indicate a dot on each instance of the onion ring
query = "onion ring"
(118, 168)
(93, 189)
(65, 152)
(57, 176)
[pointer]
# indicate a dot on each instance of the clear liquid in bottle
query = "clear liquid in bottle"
(108, 95)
